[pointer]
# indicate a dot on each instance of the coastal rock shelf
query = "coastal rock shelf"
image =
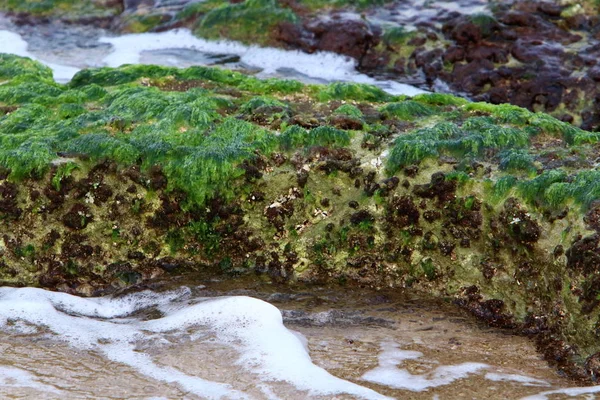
(128, 174)
(541, 55)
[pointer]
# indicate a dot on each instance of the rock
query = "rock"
(351, 37)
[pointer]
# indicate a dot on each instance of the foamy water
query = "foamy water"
(234, 347)
(130, 49)
(252, 327)
(389, 373)
(13, 43)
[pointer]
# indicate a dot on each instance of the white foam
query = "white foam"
(251, 326)
(571, 392)
(17, 378)
(13, 43)
(128, 49)
(525, 380)
(387, 372)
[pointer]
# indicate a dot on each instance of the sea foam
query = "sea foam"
(13, 43)
(106, 325)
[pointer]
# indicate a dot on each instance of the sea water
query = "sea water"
(180, 344)
(319, 67)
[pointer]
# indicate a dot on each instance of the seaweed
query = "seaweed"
(408, 110)
(12, 66)
(349, 110)
(249, 21)
(440, 99)
(516, 160)
(62, 8)
(351, 91)
(295, 136)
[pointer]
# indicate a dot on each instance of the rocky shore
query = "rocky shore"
(126, 175)
(538, 55)
(136, 173)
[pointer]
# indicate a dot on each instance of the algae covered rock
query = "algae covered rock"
(124, 175)
(535, 54)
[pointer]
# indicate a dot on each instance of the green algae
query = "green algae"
(360, 4)
(351, 91)
(12, 66)
(516, 160)
(60, 8)
(249, 22)
(349, 110)
(298, 137)
(407, 110)
(395, 36)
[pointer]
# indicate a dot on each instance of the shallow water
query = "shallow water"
(67, 49)
(222, 341)
(410, 14)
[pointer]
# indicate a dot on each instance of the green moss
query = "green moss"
(349, 110)
(297, 137)
(396, 36)
(500, 189)
(207, 169)
(24, 118)
(440, 99)
(351, 91)
(429, 268)
(63, 171)
(516, 160)
(504, 113)
(533, 191)
(407, 110)
(30, 159)
(250, 21)
(476, 135)
(460, 177)
(62, 8)
(407, 152)
(102, 146)
(269, 86)
(193, 10)
(261, 102)
(12, 66)
(584, 137)
(70, 110)
(360, 4)
(554, 189)
(550, 125)
(29, 92)
(131, 73)
(141, 23)
(117, 76)
(204, 232)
